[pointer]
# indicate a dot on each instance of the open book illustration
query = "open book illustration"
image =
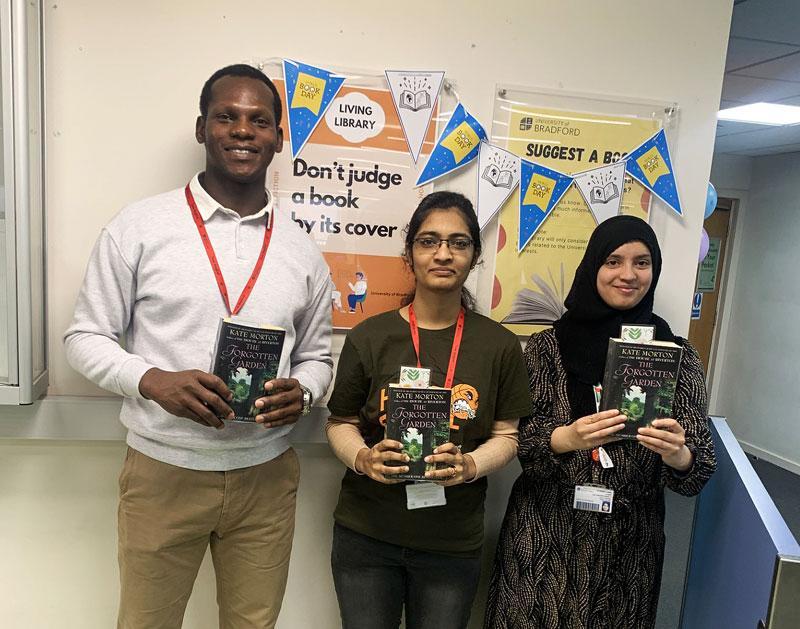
(604, 194)
(498, 178)
(415, 100)
(541, 307)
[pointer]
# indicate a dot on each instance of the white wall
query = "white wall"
(124, 79)
(757, 384)
(58, 540)
(122, 86)
(731, 174)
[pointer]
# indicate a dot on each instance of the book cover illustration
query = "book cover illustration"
(640, 380)
(246, 356)
(420, 420)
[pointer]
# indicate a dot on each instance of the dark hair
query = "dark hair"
(444, 200)
(246, 71)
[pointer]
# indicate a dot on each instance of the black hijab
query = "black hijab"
(583, 331)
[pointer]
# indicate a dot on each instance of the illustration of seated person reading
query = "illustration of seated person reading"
(358, 293)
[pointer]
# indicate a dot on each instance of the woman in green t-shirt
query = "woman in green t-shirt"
(400, 544)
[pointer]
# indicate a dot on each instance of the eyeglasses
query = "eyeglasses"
(429, 243)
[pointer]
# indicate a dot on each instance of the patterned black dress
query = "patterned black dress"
(558, 568)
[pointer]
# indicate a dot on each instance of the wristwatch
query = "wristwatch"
(308, 400)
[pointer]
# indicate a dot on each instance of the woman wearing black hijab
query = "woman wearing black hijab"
(558, 567)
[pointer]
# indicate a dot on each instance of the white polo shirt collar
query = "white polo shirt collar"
(207, 205)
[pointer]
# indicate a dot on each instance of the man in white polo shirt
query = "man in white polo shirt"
(161, 275)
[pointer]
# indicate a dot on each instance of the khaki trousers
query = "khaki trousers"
(169, 515)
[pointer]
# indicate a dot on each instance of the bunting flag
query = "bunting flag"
(601, 189)
(414, 94)
(540, 190)
(309, 92)
(498, 177)
(457, 146)
(651, 165)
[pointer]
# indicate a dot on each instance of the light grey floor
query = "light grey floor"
(678, 529)
(784, 487)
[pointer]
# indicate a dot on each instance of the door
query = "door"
(705, 308)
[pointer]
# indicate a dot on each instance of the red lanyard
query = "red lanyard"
(451, 367)
(212, 258)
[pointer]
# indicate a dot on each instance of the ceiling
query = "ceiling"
(763, 64)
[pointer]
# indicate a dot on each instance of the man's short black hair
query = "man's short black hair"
(247, 71)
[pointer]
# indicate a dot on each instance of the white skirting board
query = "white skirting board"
(84, 418)
(771, 457)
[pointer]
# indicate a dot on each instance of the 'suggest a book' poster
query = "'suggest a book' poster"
(529, 287)
(352, 189)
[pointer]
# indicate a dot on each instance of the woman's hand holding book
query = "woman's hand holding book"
(587, 432)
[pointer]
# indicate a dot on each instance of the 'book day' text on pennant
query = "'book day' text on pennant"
(540, 190)
(457, 146)
(309, 92)
(650, 164)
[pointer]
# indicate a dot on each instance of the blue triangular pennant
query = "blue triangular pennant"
(309, 92)
(650, 165)
(540, 189)
(457, 146)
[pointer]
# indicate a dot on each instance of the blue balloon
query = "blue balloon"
(711, 200)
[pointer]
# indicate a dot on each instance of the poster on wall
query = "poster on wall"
(707, 271)
(352, 189)
(529, 286)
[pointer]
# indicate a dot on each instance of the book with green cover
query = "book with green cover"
(246, 356)
(419, 418)
(640, 381)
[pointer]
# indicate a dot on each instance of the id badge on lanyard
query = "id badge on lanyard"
(594, 496)
(420, 495)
